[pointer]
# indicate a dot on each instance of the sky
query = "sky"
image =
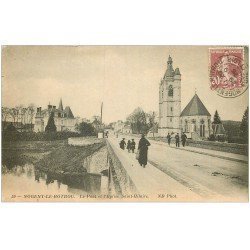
(122, 77)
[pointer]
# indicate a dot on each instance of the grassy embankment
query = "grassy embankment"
(49, 156)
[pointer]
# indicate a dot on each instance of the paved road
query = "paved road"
(207, 176)
(151, 181)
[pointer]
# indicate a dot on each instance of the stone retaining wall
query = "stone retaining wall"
(82, 141)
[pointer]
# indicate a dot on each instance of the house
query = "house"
(64, 118)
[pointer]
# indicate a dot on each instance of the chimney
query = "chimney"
(37, 110)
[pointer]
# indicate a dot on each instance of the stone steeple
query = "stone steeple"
(170, 70)
(60, 107)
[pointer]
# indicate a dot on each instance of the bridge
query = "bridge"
(178, 174)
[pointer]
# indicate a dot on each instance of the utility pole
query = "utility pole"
(101, 112)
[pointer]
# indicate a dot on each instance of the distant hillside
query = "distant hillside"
(232, 127)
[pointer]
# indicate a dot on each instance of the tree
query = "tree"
(138, 121)
(244, 125)
(20, 112)
(217, 119)
(51, 127)
(31, 112)
(86, 129)
(5, 113)
(151, 119)
(14, 114)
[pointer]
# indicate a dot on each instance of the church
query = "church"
(64, 118)
(194, 119)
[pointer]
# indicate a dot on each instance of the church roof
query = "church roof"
(68, 112)
(195, 107)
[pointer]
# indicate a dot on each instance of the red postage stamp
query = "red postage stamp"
(227, 71)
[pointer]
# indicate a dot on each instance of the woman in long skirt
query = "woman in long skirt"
(143, 151)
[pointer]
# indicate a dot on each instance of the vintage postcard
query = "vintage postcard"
(124, 123)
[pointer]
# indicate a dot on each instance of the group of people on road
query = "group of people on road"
(142, 152)
(177, 139)
(130, 145)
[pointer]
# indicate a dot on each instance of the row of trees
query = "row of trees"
(19, 114)
(140, 121)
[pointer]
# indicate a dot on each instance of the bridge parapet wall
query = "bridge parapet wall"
(119, 173)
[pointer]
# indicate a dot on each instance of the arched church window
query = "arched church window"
(170, 90)
(194, 125)
(186, 126)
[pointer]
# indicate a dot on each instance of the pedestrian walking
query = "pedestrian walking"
(122, 144)
(183, 139)
(133, 146)
(129, 146)
(177, 140)
(143, 151)
(169, 139)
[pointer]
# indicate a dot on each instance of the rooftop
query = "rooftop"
(195, 107)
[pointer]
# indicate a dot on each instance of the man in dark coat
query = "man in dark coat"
(169, 139)
(143, 151)
(122, 143)
(133, 145)
(177, 140)
(183, 139)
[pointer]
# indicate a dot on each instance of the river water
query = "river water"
(23, 180)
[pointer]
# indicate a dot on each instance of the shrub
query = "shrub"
(238, 139)
(211, 137)
(86, 129)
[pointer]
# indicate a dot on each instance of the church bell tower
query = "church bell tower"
(170, 101)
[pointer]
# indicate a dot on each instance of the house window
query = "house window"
(171, 109)
(170, 119)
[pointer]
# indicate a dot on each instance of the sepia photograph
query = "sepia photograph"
(125, 123)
